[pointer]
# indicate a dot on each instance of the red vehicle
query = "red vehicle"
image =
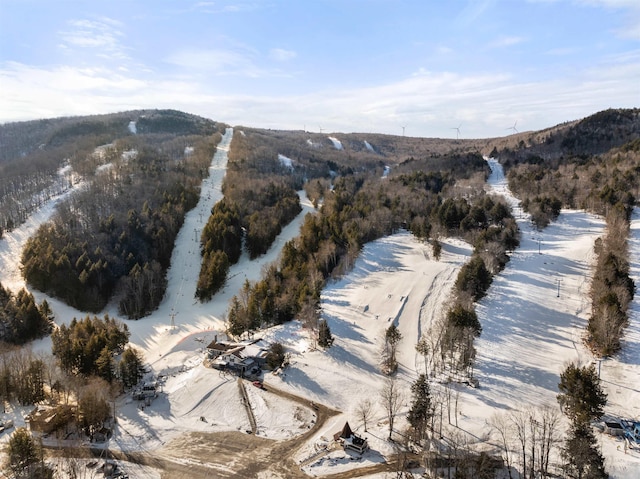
(258, 384)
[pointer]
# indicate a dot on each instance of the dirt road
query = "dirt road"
(236, 455)
(241, 455)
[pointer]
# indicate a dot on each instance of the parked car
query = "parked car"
(258, 384)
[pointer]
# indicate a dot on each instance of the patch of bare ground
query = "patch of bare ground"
(240, 455)
(235, 455)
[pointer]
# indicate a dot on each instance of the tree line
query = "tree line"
(259, 200)
(612, 288)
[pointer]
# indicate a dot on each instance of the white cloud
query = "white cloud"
(443, 50)
(505, 41)
(281, 55)
(631, 27)
(215, 7)
(238, 61)
(103, 35)
(473, 11)
(561, 52)
(428, 103)
(216, 62)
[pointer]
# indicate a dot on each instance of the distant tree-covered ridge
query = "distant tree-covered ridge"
(116, 235)
(33, 152)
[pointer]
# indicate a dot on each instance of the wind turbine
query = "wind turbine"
(457, 131)
(321, 130)
(515, 130)
(403, 127)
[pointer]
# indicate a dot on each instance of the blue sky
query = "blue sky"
(339, 65)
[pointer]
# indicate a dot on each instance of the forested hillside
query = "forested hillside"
(115, 235)
(142, 171)
(365, 189)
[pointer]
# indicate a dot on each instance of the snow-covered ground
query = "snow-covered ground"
(285, 161)
(337, 144)
(368, 146)
(533, 318)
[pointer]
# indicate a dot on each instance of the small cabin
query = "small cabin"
(356, 443)
(350, 440)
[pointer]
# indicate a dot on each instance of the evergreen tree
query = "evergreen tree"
(236, 325)
(583, 460)
(325, 340)
(581, 396)
(275, 356)
(474, 278)
(79, 346)
(25, 459)
(392, 337)
(421, 408)
(105, 365)
(21, 320)
(130, 367)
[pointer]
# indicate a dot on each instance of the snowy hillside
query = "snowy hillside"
(533, 318)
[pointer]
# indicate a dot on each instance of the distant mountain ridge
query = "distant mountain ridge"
(592, 135)
(19, 139)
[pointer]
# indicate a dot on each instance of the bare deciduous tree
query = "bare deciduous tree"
(364, 411)
(528, 437)
(502, 427)
(391, 400)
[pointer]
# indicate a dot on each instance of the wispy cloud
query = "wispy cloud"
(506, 41)
(216, 62)
(233, 61)
(561, 52)
(473, 11)
(102, 35)
(223, 7)
(427, 102)
(631, 27)
(64, 90)
(281, 55)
